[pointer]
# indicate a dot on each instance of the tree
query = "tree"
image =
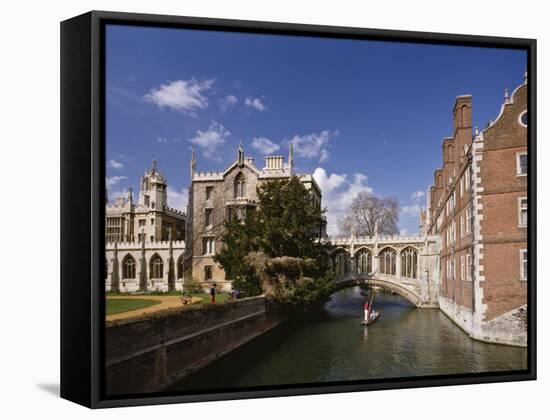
(284, 224)
(368, 211)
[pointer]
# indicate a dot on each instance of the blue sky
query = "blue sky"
(363, 115)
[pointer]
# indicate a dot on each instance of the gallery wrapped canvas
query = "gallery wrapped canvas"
(255, 209)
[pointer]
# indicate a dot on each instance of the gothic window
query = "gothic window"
(240, 186)
(364, 261)
(341, 263)
(208, 246)
(180, 267)
(156, 267)
(387, 261)
(409, 263)
(209, 191)
(207, 272)
(128, 267)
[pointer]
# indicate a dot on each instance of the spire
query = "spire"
(525, 77)
(193, 164)
(241, 154)
(477, 131)
(130, 197)
(154, 165)
(291, 159)
(506, 96)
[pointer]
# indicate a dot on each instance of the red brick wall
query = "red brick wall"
(503, 290)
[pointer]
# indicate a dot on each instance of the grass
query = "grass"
(205, 298)
(116, 306)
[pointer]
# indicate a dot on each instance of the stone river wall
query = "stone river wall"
(150, 353)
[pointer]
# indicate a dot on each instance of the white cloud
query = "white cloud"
(338, 193)
(177, 199)
(111, 181)
(411, 211)
(228, 102)
(211, 140)
(255, 103)
(162, 140)
(404, 231)
(313, 145)
(181, 95)
(264, 145)
(417, 195)
(113, 164)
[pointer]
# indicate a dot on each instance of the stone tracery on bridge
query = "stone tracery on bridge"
(406, 265)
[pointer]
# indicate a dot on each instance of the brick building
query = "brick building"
(478, 206)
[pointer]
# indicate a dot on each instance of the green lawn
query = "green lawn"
(116, 306)
(205, 298)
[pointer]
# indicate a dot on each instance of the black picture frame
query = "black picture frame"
(83, 205)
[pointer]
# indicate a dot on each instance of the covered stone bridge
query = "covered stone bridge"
(406, 265)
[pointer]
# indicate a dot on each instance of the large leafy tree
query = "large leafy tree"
(284, 224)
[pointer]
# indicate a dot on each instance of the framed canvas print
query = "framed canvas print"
(255, 209)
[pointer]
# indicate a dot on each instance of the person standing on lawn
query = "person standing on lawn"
(213, 293)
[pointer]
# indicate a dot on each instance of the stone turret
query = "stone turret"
(153, 188)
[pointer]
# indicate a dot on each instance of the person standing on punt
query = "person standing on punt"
(367, 311)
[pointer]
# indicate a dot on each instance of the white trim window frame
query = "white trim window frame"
(462, 268)
(519, 167)
(462, 225)
(523, 264)
(522, 212)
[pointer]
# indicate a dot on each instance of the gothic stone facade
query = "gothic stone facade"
(145, 266)
(144, 240)
(478, 206)
(128, 221)
(215, 196)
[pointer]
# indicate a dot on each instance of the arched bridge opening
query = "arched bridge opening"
(409, 295)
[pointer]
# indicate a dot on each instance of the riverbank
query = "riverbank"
(151, 352)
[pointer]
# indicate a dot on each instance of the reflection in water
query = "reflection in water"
(334, 346)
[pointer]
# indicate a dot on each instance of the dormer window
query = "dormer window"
(240, 186)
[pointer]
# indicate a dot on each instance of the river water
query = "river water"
(334, 346)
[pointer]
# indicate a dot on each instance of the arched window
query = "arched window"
(106, 268)
(409, 263)
(341, 260)
(363, 261)
(387, 261)
(180, 267)
(156, 267)
(465, 120)
(240, 186)
(128, 267)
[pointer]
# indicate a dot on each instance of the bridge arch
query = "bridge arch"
(408, 294)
